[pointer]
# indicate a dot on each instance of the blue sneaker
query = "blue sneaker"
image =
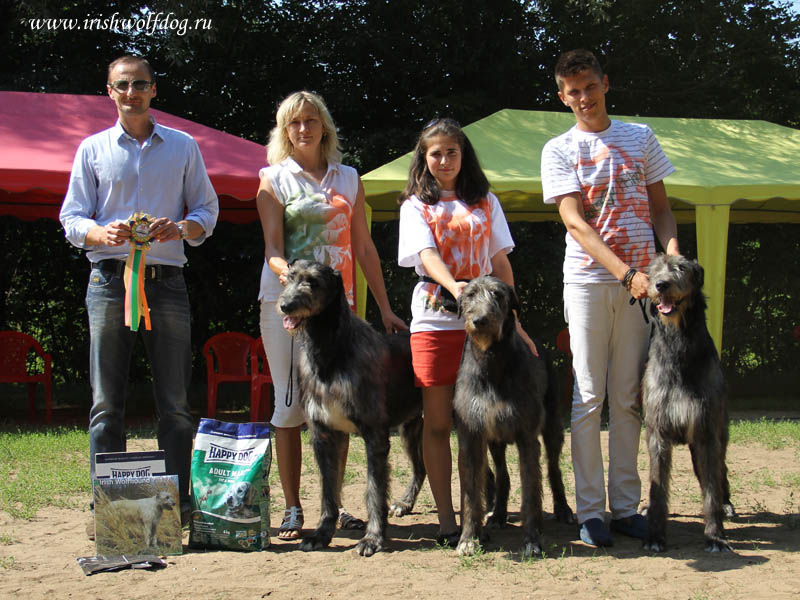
(595, 533)
(633, 526)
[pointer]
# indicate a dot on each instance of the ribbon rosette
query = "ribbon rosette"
(135, 300)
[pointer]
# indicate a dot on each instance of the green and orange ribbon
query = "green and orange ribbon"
(135, 300)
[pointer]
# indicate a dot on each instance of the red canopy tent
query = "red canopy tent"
(39, 134)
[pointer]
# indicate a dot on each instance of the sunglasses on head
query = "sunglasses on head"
(140, 85)
(441, 121)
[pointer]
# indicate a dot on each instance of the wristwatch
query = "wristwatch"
(182, 229)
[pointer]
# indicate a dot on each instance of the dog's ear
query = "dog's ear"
(513, 300)
(338, 282)
(458, 304)
(699, 274)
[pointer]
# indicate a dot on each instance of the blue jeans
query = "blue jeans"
(168, 346)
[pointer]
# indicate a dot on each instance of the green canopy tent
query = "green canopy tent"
(727, 171)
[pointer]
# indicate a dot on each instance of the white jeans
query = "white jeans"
(278, 347)
(609, 341)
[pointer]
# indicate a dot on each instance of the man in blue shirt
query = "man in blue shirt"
(139, 166)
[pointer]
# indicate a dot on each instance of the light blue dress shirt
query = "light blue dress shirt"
(113, 176)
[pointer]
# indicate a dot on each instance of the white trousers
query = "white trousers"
(278, 347)
(609, 341)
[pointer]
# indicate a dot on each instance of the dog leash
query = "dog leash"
(290, 385)
(642, 303)
(448, 301)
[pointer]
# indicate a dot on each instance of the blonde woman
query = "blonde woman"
(312, 207)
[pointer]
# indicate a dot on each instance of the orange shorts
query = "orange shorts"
(435, 356)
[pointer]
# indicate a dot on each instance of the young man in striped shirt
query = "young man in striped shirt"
(606, 178)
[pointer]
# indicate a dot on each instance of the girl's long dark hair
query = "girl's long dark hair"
(471, 184)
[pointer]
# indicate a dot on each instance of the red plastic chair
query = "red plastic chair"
(562, 343)
(226, 360)
(14, 350)
(261, 408)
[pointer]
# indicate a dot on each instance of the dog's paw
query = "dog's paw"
(564, 514)
(369, 545)
(530, 548)
(400, 509)
(496, 520)
(655, 544)
(467, 547)
(718, 545)
(728, 510)
(314, 542)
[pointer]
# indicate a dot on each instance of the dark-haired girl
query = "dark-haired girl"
(452, 229)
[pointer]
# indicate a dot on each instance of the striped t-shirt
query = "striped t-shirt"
(611, 169)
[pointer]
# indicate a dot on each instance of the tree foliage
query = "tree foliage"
(387, 66)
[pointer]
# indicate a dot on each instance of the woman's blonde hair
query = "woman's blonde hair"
(279, 146)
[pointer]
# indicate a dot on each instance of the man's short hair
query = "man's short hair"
(130, 58)
(573, 62)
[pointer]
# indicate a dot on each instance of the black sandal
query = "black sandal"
(348, 521)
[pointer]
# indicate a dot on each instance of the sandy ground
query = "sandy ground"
(38, 557)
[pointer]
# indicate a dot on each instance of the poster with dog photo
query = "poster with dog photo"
(138, 515)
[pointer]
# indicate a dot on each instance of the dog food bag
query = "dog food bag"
(230, 486)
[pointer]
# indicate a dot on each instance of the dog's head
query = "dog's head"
(165, 500)
(311, 287)
(675, 286)
(239, 495)
(487, 306)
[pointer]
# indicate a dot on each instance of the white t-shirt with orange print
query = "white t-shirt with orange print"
(611, 169)
(467, 237)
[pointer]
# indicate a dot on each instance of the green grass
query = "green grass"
(43, 468)
(50, 467)
(772, 434)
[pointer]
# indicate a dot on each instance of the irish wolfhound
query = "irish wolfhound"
(146, 511)
(504, 394)
(683, 392)
(352, 379)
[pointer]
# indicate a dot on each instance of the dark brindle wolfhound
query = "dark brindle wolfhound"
(683, 392)
(352, 379)
(504, 395)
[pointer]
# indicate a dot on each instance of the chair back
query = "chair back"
(227, 353)
(562, 341)
(14, 349)
(258, 359)
(261, 407)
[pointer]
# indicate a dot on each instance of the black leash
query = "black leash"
(290, 385)
(642, 303)
(448, 301)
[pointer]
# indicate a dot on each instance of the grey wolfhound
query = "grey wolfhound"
(352, 379)
(684, 399)
(504, 394)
